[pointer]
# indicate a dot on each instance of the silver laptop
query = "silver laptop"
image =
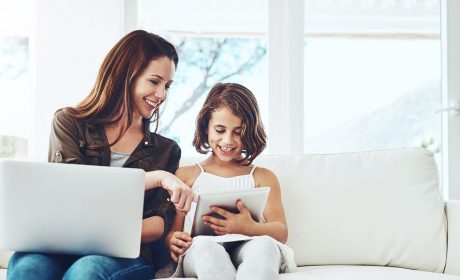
(70, 208)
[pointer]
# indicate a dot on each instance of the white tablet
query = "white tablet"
(254, 200)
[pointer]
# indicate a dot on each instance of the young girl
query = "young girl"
(229, 125)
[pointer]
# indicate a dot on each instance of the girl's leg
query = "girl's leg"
(38, 266)
(208, 260)
(101, 267)
(258, 258)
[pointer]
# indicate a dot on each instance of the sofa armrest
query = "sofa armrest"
(4, 258)
(452, 208)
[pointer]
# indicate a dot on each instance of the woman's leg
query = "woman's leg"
(258, 258)
(38, 266)
(101, 267)
(208, 260)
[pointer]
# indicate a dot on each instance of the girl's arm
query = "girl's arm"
(176, 240)
(275, 221)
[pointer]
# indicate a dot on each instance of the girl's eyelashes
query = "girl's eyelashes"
(154, 82)
(220, 131)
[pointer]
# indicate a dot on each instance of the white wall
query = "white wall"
(68, 44)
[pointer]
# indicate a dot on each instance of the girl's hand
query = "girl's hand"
(178, 244)
(233, 223)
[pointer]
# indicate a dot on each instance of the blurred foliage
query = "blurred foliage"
(204, 62)
(14, 57)
(13, 147)
(431, 144)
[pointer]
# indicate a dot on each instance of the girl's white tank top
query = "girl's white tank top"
(208, 183)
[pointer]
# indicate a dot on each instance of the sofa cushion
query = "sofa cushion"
(366, 208)
(4, 258)
(346, 272)
(362, 273)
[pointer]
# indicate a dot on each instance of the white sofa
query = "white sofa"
(367, 215)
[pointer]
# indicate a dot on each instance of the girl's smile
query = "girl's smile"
(224, 134)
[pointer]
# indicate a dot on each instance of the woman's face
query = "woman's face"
(151, 86)
(224, 134)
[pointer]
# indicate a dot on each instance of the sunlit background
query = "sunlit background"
(371, 68)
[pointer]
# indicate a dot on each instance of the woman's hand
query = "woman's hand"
(233, 223)
(181, 194)
(178, 244)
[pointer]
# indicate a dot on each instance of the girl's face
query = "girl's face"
(224, 134)
(151, 86)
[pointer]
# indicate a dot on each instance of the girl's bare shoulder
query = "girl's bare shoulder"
(265, 177)
(188, 173)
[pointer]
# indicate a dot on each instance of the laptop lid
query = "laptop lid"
(70, 208)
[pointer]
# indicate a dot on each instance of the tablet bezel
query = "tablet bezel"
(254, 200)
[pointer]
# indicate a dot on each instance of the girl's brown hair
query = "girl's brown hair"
(243, 104)
(111, 96)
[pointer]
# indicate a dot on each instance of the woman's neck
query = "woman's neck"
(130, 137)
(136, 126)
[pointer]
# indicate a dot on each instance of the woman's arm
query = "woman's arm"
(64, 140)
(181, 195)
(152, 229)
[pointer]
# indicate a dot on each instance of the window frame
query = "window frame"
(450, 84)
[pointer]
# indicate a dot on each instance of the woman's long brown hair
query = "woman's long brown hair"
(110, 99)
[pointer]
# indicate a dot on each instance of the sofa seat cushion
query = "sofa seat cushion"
(362, 273)
(4, 258)
(368, 208)
(349, 272)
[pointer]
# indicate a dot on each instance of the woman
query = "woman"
(111, 127)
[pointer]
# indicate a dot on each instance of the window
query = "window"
(311, 83)
(15, 104)
(372, 75)
(214, 46)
